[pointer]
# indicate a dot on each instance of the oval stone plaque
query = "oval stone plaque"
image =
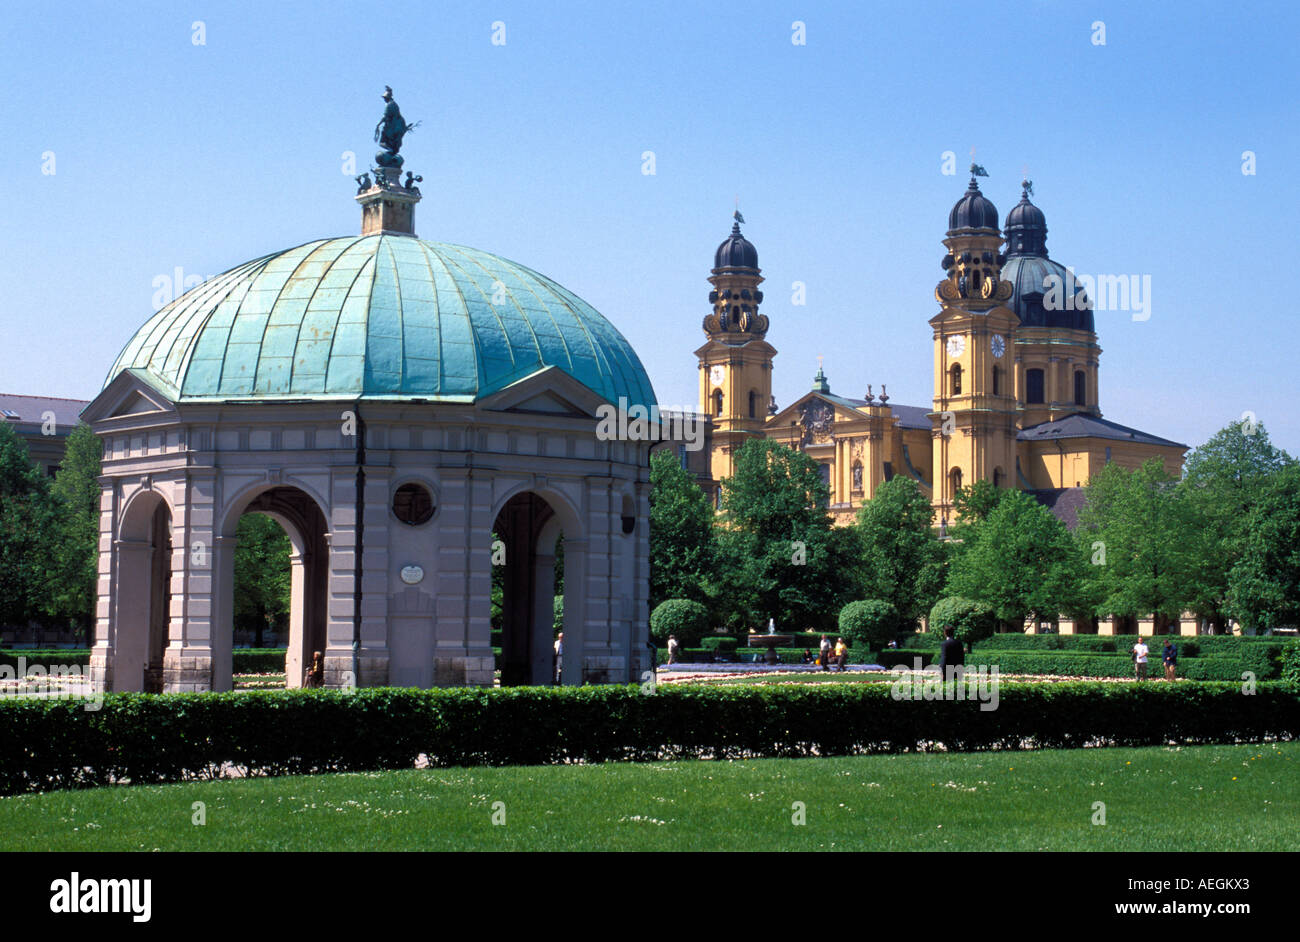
(412, 574)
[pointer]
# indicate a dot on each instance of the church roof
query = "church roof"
(30, 410)
(1081, 425)
(1063, 502)
(387, 316)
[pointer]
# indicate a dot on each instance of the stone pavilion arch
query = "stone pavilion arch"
(304, 521)
(529, 527)
(142, 556)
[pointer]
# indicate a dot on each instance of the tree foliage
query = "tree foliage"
(1265, 590)
(971, 621)
(1139, 530)
(74, 553)
(262, 574)
(872, 622)
(682, 545)
(1021, 560)
(779, 556)
(26, 518)
(902, 559)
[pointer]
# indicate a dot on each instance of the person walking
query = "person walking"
(841, 654)
(672, 649)
(951, 656)
(1140, 652)
(1170, 658)
(824, 653)
(559, 655)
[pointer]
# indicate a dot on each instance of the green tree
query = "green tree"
(26, 520)
(1140, 535)
(902, 558)
(1021, 561)
(1265, 590)
(74, 553)
(873, 622)
(681, 533)
(262, 575)
(779, 555)
(1224, 480)
(970, 621)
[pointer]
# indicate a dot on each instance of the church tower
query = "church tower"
(735, 362)
(1056, 350)
(974, 418)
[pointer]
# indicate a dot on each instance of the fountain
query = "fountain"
(771, 640)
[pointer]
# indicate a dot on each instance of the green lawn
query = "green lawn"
(1189, 798)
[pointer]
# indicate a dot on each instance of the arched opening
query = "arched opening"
(997, 381)
(271, 562)
(998, 477)
(753, 404)
(954, 381)
(142, 616)
(954, 480)
(1080, 388)
(717, 402)
(1034, 392)
(530, 573)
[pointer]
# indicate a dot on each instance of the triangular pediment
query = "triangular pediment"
(127, 397)
(793, 413)
(549, 391)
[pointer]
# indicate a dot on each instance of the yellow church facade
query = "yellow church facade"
(1016, 379)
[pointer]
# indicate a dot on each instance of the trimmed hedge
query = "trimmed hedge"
(724, 644)
(142, 738)
(1074, 664)
(71, 657)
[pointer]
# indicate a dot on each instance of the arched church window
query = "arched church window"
(717, 402)
(1034, 386)
(954, 478)
(753, 404)
(1080, 388)
(997, 381)
(955, 385)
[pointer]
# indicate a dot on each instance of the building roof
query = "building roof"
(388, 316)
(1081, 425)
(30, 410)
(973, 211)
(736, 251)
(1063, 502)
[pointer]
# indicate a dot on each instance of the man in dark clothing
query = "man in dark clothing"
(951, 656)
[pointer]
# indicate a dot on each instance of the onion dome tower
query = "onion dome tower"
(735, 362)
(1056, 345)
(974, 417)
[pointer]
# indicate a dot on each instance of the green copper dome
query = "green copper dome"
(384, 316)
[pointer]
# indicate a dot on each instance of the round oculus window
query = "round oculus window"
(413, 504)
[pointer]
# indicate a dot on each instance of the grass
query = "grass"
(1162, 798)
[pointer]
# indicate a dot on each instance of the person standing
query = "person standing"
(1170, 659)
(824, 653)
(1140, 652)
(841, 654)
(951, 656)
(559, 655)
(672, 649)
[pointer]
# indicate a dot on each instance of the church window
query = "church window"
(954, 476)
(997, 381)
(1034, 386)
(717, 402)
(1080, 388)
(956, 379)
(753, 404)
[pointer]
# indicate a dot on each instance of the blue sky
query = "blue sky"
(170, 154)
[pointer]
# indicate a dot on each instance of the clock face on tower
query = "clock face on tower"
(998, 345)
(956, 346)
(716, 375)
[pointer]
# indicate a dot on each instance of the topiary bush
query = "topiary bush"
(872, 622)
(971, 621)
(686, 619)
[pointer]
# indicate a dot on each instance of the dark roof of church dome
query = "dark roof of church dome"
(736, 251)
(1035, 300)
(973, 211)
(1026, 228)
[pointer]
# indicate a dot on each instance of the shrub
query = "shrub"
(871, 622)
(1291, 664)
(971, 621)
(150, 739)
(686, 619)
